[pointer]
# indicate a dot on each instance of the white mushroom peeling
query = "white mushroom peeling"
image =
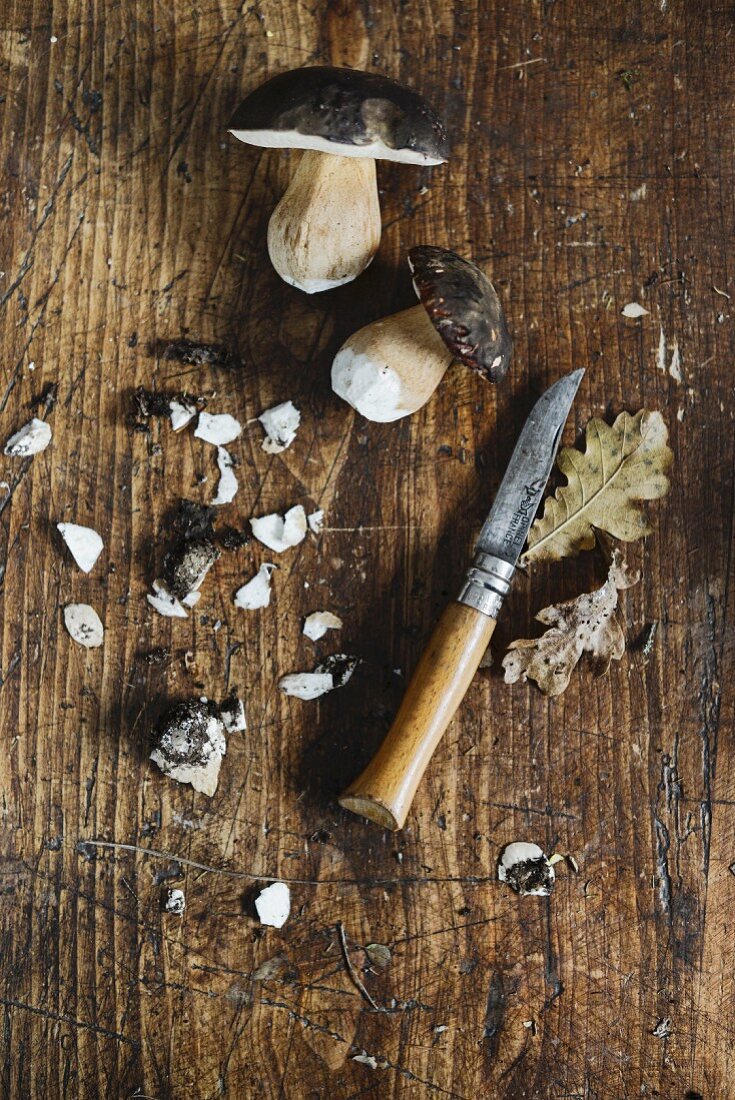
(257, 592)
(175, 902)
(217, 428)
(190, 741)
(525, 868)
(318, 623)
(273, 904)
(280, 425)
(164, 603)
(634, 310)
(228, 486)
(182, 413)
(280, 533)
(333, 672)
(32, 438)
(326, 228)
(84, 625)
(316, 521)
(84, 544)
(391, 367)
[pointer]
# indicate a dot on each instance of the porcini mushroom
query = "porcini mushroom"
(326, 228)
(390, 368)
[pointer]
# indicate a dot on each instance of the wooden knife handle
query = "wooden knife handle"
(385, 790)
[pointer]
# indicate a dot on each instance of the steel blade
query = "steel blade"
(505, 530)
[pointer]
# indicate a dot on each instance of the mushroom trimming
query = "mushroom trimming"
(326, 229)
(333, 672)
(273, 904)
(524, 867)
(190, 741)
(32, 438)
(280, 533)
(84, 625)
(84, 544)
(280, 425)
(391, 367)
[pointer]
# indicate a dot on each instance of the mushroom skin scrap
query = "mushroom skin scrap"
(306, 685)
(181, 413)
(525, 868)
(84, 625)
(273, 905)
(316, 521)
(256, 594)
(164, 603)
(280, 425)
(31, 439)
(189, 745)
(228, 485)
(318, 623)
(187, 564)
(280, 533)
(83, 543)
(175, 902)
(217, 428)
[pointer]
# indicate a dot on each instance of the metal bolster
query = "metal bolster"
(487, 584)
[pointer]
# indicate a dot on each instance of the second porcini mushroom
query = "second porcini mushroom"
(390, 368)
(326, 228)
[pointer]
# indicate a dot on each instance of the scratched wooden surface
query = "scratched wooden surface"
(591, 167)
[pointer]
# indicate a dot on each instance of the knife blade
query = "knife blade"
(384, 791)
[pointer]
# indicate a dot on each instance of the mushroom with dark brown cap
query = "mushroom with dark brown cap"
(390, 368)
(326, 228)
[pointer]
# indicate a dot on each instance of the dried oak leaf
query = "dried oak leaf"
(586, 624)
(621, 466)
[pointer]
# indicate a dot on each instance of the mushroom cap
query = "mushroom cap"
(342, 111)
(464, 309)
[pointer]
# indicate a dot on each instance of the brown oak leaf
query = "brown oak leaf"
(586, 624)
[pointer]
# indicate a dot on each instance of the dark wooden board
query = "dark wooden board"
(591, 166)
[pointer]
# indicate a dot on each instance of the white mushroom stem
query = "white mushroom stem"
(326, 228)
(390, 368)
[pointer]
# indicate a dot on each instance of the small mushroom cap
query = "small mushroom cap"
(464, 309)
(343, 111)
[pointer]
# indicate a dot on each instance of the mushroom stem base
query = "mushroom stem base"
(326, 228)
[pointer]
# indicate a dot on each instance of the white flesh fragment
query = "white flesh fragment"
(181, 414)
(280, 425)
(634, 309)
(292, 139)
(228, 486)
(257, 592)
(306, 685)
(166, 604)
(280, 533)
(175, 902)
(333, 672)
(203, 777)
(519, 852)
(32, 438)
(232, 716)
(191, 599)
(318, 623)
(273, 904)
(83, 543)
(316, 521)
(84, 625)
(217, 428)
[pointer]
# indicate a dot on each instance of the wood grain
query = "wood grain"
(591, 167)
